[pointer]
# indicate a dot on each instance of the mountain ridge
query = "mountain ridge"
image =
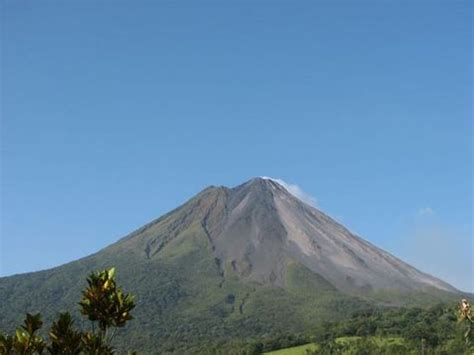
(272, 213)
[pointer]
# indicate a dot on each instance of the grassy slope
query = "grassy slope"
(415, 299)
(301, 349)
(295, 350)
(380, 341)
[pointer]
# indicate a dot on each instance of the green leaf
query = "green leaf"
(111, 273)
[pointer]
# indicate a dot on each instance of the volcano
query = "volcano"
(259, 227)
(230, 263)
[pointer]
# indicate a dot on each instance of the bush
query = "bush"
(103, 303)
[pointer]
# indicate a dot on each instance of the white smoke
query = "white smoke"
(295, 190)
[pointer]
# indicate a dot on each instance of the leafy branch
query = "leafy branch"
(102, 302)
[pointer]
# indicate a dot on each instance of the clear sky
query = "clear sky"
(116, 112)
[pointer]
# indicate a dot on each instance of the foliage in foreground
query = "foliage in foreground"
(437, 330)
(260, 328)
(103, 303)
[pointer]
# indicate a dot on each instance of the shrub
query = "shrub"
(103, 303)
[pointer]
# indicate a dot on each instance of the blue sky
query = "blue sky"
(114, 113)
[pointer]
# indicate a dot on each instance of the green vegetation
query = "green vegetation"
(103, 303)
(295, 350)
(231, 317)
(435, 330)
(397, 331)
(185, 301)
(188, 303)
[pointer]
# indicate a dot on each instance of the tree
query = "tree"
(103, 302)
(25, 341)
(64, 338)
